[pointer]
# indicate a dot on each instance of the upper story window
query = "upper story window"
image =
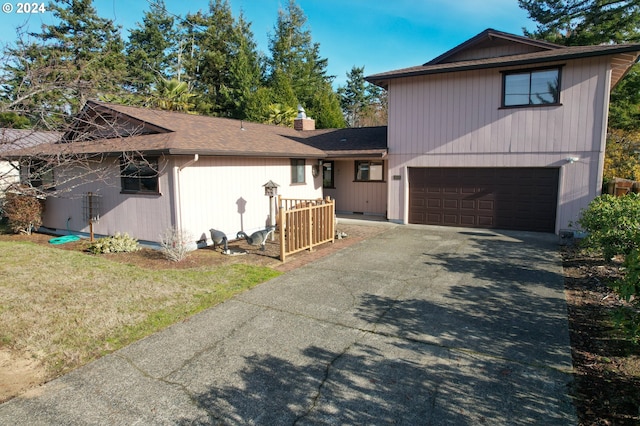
(139, 175)
(532, 87)
(369, 171)
(297, 170)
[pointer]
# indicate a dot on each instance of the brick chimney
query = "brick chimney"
(302, 122)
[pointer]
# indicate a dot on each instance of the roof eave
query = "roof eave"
(382, 80)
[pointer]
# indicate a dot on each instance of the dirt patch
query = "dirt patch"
(17, 373)
(607, 366)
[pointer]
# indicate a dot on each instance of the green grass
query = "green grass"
(67, 308)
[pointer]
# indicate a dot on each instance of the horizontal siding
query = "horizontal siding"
(455, 120)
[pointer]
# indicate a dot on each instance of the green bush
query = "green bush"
(612, 225)
(119, 243)
(628, 288)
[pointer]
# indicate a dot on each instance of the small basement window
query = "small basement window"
(139, 175)
(532, 87)
(367, 171)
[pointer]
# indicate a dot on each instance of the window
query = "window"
(40, 174)
(297, 170)
(535, 87)
(327, 175)
(139, 175)
(369, 171)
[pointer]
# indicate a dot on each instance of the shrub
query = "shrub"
(628, 287)
(23, 212)
(175, 244)
(612, 225)
(119, 243)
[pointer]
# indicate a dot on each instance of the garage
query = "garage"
(502, 198)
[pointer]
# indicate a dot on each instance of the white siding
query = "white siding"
(455, 120)
(228, 194)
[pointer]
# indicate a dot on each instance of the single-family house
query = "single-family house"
(15, 139)
(155, 170)
(500, 132)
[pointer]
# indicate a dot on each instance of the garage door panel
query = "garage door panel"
(508, 198)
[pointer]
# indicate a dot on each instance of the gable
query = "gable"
(97, 121)
(492, 44)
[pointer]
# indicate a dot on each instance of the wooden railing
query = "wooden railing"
(304, 224)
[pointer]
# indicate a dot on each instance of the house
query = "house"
(155, 170)
(13, 139)
(500, 132)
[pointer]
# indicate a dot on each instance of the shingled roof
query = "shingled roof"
(625, 55)
(111, 129)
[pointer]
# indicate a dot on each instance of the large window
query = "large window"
(327, 174)
(139, 175)
(534, 87)
(369, 171)
(297, 170)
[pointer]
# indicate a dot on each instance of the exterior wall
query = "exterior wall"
(493, 50)
(141, 216)
(227, 193)
(455, 120)
(352, 196)
(203, 195)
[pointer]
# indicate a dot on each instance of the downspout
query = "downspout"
(176, 177)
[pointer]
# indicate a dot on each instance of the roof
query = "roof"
(11, 139)
(106, 128)
(625, 56)
(491, 35)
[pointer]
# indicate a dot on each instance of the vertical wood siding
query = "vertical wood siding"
(227, 194)
(351, 196)
(209, 191)
(455, 120)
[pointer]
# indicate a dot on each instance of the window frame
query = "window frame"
(141, 165)
(41, 175)
(357, 164)
(332, 183)
(296, 165)
(530, 72)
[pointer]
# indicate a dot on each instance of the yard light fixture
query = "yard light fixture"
(572, 160)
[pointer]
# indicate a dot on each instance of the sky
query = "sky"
(379, 35)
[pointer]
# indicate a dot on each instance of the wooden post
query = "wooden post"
(90, 201)
(282, 226)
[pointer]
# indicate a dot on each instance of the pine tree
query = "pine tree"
(590, 22)
(296, 63)
(77, 58)
(151, 49)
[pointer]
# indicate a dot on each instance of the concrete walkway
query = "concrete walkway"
(416, 326)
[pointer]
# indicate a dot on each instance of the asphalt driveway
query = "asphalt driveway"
(418, 325)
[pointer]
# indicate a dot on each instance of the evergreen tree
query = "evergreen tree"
(77, 58)
(584, 22)
(590, 22)
(151, 53)
(296, 63)
(221, 60)
(363, 103)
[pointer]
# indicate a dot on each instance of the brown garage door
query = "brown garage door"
(503, 198)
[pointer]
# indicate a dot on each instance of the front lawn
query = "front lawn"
(64, 308)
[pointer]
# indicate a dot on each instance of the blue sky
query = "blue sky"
(381, 35)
